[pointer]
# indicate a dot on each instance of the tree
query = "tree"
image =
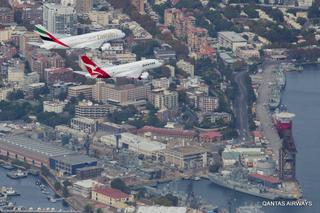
(88, 208)
(57, 185)
(117, 183)
(99, 210)
(194, 4)
(45, 171)
(65, 139)
(66, 183)
(251, 12)
(167, 200)
(314, 10)
(145, 49)
(213, 168)
(15, 95)
(301, 20)
(65, 191)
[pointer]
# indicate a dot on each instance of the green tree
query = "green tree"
(15, 95)
(88, 208)
(214, 168)
(65, 139)
(314, 10)
(66, 183)
(45, 171)
(117, 183)
(145, 49)
(57, 186)
(194, 4)
(65, 191)
(251, 12)
(99, 210)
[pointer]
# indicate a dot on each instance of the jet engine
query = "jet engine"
(144, 75)
(105, 46)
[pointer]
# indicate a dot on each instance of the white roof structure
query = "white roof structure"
(87, 183)
(161, 209)
(136, 143)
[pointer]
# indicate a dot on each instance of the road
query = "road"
(263, 113)
(241, 106)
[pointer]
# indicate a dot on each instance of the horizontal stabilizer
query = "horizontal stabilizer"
(37, 44)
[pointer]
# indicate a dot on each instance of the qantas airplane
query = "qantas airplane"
(94, 40)
(136, 69)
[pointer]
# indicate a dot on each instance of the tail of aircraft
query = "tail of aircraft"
(93, 69)
(46, 36)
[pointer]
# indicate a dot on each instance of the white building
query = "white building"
(59, 19)
(99, 17)
(84, 187)
(135, 143)
(186, 66)
(161, 83)
(231, 40)
(16, 71)
(4, 92)
(165, 98)
(53, 106)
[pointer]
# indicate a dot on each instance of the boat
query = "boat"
(241, 187)
(197, 178)
(17, 174)
(9, 191)
(8, 167)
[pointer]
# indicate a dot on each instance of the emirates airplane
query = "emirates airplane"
(94, 40)
(138, 69)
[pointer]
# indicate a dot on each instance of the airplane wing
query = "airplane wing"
(37, 44)
(90, 45)
(85, 74)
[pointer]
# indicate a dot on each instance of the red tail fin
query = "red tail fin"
(93, 69)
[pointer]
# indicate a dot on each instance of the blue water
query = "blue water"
(302, 97)
(30, 193)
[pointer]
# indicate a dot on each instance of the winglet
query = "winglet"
(93, 69)
(45, 35)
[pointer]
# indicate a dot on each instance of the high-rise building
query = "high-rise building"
(59, 19)
(121, 94)
(165, 99)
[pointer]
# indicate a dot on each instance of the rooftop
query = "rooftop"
(168, 132)
(113, 193)
(87, 183)
(32, 147)
(188, 150)
(233, 36)
(74, 159)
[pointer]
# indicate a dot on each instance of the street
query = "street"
(263, 115)
(241, 106)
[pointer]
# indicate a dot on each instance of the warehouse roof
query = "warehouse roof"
(74, 159)
(32, 147)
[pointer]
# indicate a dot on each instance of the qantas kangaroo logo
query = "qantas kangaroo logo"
(93, 69)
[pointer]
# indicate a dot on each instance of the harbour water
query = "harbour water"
(30, 193)
(302, 97)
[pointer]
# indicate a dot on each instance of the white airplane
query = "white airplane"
(94, 40)
(136, 69)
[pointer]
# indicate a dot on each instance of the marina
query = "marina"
(31, 195)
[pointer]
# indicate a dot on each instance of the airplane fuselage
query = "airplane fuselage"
(81, 41)
(134, 68)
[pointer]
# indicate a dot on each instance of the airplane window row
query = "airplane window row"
(148, 64)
